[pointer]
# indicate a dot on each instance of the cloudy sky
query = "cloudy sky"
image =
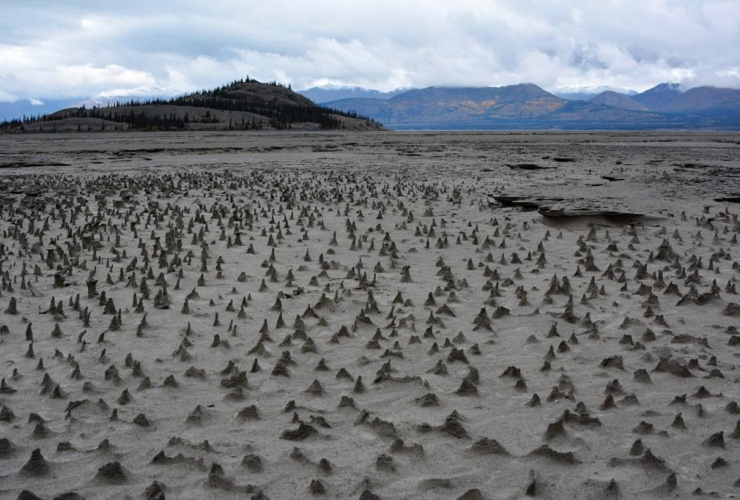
(72, 48)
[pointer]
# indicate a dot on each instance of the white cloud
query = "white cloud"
(6, 97)
(81, 48)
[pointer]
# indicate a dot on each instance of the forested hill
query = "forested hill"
(241, 105)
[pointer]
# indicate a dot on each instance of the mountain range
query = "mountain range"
(328, 93)
(587, 93)
(320, 95)
(527, 106)
(249, 104)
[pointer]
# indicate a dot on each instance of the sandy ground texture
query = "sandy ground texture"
(363, 316)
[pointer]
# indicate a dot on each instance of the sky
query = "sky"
(55, 49)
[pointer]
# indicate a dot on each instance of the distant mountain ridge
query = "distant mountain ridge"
(328, 93)
(617, 100)
(659, 97)
(28, 107)
(671, 100)
(588, 93)
(527, 106)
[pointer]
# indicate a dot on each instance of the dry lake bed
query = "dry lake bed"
(369, 315)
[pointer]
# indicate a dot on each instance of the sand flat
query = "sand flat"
(339, 315)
